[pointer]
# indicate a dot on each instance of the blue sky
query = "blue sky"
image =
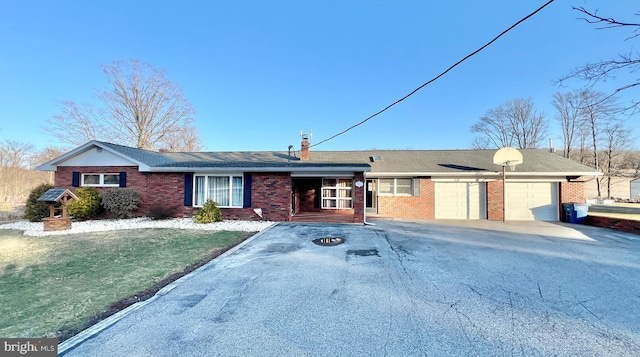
(259, 72)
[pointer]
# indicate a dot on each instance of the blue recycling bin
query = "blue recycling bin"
(575, 212)
(569, 213)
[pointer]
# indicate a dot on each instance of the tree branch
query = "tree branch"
(610, 22)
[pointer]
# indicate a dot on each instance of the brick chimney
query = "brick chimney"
(304, 148)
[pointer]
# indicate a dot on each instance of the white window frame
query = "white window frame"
(394, 186)
(101, 183)
(206, 189)
(347, 200)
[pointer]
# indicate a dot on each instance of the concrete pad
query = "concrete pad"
(399, 288)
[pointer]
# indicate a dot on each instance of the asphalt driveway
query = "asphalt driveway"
(397, 289)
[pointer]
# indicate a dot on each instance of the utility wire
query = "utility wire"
(438, 76)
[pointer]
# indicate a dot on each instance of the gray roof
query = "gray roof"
(54, 194)
(222, 159)
(454, 161)
(410, 162)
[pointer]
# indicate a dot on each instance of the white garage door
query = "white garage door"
(461, 200)
(532, 201)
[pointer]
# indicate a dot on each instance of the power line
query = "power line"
(438, 76)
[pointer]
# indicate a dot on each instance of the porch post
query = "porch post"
(364, 198)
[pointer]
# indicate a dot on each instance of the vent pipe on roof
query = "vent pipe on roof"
(289, 155)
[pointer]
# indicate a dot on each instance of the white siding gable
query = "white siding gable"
(97, 157)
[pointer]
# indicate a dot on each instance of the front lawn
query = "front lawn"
(55, 286)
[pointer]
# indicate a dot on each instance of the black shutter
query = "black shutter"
(75, 179)
(123, 179)
(247, 191)
(188, 189)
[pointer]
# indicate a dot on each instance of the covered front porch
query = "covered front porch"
(335, 198)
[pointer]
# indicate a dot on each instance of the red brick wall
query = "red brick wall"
(272, 193)
(410, 207)
(495, 210)
(166, 189)
(135, 180)
(358, 198)
(572, 192)
(614, 223)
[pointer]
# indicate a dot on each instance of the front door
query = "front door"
(372, 196)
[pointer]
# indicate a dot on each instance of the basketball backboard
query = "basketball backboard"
(507, 157)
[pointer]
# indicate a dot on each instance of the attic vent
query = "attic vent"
(99, 150)
(375, 158)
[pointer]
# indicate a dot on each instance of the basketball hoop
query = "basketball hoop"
(506, 157)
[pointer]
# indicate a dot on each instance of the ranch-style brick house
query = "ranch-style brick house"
(345, 186)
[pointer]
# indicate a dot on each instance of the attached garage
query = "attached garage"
(460, 200)
(532, 201)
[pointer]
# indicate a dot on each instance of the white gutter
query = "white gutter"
(341, 169)
(481, 174)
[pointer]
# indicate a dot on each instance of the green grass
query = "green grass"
(57, 285)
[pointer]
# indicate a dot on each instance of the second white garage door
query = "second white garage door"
(461, 200)
(531, 201)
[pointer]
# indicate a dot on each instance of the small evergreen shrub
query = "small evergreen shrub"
(209, 213)
(162, 212)
(88, 205)
(121, 202)
(36, 210)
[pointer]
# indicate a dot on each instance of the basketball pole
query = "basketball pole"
(504, 193)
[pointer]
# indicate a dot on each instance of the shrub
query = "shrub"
(121, 201)
(36, 210)
(88, 204)
(162, 212)
(209, 213)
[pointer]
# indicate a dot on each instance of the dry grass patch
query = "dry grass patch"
(631, 217)
(57, 285)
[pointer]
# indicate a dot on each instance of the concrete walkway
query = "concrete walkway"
(398, 289)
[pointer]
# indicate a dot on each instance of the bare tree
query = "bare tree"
(529, 126)
(584, 154)
(185, 139)
(16, 180)
(513, 123)
(141, 108)
(615, 139)
(494, 128)
(568, 106)
(631, 161)
(481, 143)
(40, 157)
(14, 153)
(597, 111)
(621, 66)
